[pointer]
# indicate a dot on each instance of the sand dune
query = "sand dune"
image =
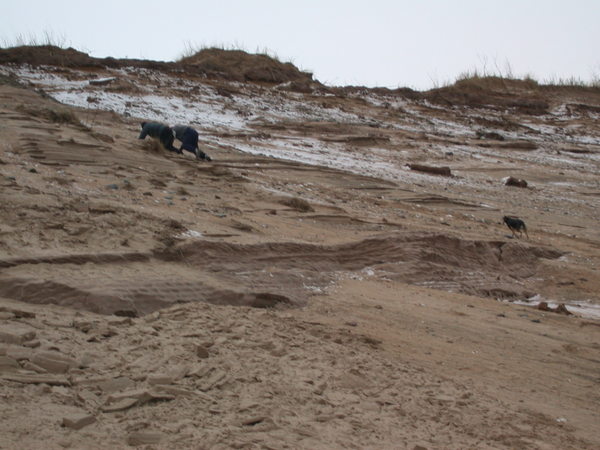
(306, 289)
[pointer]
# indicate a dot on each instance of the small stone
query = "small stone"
(116, 384)
(279, 351)
(141, 395)
(122, 405)
(201, 352)
(160, 379)
(174, 390)
(53, 362)
(148, 331)
(120, 320)
(179, 391)
(543, 306)
(178, 372)
(444, 171)
(86, 360)
(562, 309)
(16, 333)
(102, 81)
(83, 325)
(101, 333)
(152, 317)
(144, 438)
(320, 388)
(89, 398)
(78, 421)
(19, 353)
(52, 380)
(512, 181)
(216, 378)
(20, 314)
(198, 371)
(28, 365)
(32, 344)
(253, 421)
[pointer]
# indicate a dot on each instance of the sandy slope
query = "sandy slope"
(363, 316)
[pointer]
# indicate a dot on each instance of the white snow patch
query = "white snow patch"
(584, 308)
(191, 234)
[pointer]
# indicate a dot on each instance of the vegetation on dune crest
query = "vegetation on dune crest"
(46, 39)
(498, 81)
(240, 65)
(264, 66)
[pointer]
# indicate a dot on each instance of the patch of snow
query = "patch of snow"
(584, 308)
(191, 234)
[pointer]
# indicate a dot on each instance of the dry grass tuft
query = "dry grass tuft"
(493, 92)
(241, 226)
(152, 146)
(60, 181)
(298, 204)
(495, 83)
(47, 38)
(56, 115)
(63, 116)
(239, 65)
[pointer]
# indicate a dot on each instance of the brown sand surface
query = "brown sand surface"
(148, 299)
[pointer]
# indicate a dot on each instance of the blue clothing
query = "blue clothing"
(188, 137)
(189, 141)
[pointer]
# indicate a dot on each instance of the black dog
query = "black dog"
(515, 225)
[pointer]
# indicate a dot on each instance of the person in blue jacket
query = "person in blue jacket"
(189, 141)
(163, 133)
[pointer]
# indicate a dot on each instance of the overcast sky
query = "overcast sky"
(418, 44)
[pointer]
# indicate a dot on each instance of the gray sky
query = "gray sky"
(418, 44)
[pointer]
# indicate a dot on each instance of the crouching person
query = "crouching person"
(159, 131)
(189, 141)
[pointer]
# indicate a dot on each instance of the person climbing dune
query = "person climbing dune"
(162, 132)
(189, 141)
